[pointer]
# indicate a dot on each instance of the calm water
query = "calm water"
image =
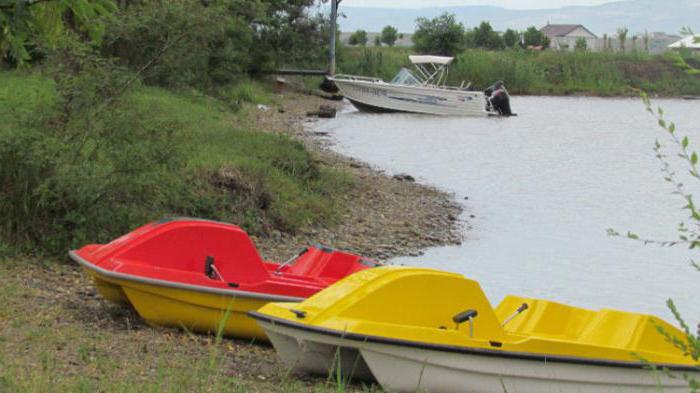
(544, 187)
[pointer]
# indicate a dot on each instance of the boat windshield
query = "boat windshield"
(405, 77)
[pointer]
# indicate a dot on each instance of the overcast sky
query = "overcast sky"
(514, 4)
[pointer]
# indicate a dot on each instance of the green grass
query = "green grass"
(158, 153)
(543, 73)
(21, 94)
(271, 168)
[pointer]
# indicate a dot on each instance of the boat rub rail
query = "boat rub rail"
(465, 350)
(170, 284)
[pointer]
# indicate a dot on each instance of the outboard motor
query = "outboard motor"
(498, 100)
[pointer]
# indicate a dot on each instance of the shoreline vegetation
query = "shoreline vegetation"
(548, 72)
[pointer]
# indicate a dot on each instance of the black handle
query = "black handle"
(522, 308)
(465, 316)
(209, 267)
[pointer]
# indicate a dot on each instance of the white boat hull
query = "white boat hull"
(382, 96)
(404, 368)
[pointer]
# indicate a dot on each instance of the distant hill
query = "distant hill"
(637, 15)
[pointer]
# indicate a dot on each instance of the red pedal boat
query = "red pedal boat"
(205, 276)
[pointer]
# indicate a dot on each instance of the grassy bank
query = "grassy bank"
(56, 335)
(155, 153)
(543, 73)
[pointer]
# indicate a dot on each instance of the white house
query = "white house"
(563, 37)
(691, 42)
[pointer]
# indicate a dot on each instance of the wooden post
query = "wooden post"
(331, 44)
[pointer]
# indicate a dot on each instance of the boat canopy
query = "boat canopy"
(442, 60)
(432, 70)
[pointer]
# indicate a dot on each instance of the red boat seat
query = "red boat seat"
(327, 264)
(185, 247)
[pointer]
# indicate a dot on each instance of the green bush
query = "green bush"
(358, 38)
(389, 35)
(181, 43)
(85, 159)
(442, 35)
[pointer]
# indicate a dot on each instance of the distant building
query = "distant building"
(564, 37)
(691, 42)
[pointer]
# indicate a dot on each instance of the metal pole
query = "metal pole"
(331, 44)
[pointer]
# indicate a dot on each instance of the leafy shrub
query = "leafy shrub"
(440, 36)
(213, 43)
(358, 38)
(26, 24)
(91, 164)
(484, 37)
(389, 35)
(183, 43)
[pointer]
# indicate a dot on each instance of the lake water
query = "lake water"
(544, 187)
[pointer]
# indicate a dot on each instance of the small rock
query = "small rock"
(324, 111)
(404, 177)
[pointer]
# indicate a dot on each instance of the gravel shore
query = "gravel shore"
(383, 216)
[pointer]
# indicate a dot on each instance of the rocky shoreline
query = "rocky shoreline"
(384, 216)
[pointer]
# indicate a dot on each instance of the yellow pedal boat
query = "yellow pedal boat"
(424, 330)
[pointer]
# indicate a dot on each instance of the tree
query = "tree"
(442, 35)
(389, 35)
(622, 36)
(358, 38)
(511, 38)
(581, 44)
(534, 37)
(484, 37)
(43, 23)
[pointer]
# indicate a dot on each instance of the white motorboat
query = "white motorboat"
(422, 92)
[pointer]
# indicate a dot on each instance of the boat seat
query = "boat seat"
(187, 248)
(325, 263)
(630, 331)
(543, 318)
